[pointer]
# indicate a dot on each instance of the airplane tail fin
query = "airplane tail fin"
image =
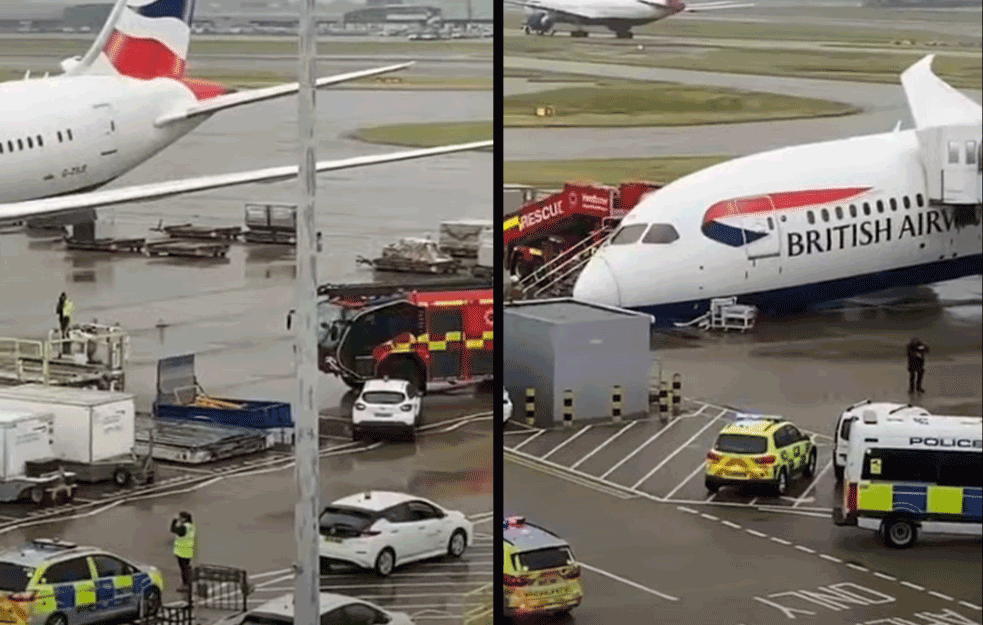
(143, 39)
(932, 101)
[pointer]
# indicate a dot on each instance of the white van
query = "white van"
(844, 426)
(906, 472)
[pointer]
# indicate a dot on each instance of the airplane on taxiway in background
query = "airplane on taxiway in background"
(618, 15)
(121, 103)
(802, 225)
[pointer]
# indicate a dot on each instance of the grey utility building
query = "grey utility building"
(559, 344)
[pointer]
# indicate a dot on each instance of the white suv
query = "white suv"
(386, 407)
(382, 530)
(507, 406)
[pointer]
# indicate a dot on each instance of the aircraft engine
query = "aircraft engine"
(540, 22)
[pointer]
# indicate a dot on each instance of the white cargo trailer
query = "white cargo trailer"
(485, 267)
(25, 439)
(461, 238)
(94, 431)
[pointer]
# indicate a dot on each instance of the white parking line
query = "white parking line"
(941, 596)
(910, 585)
(531, 438)
(830, 558)
(857, 567)
(755, 533)
(605, 443)
(640, 448)
(815, 480)
(701, 467)
(628, 582)
(889, 578)
(731, 524)
(970, 605)
(678, 449)
(781, 541)
(806, 549)
(566, 442)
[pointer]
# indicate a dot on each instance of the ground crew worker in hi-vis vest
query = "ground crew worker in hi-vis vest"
(64, 310)
(184, 546)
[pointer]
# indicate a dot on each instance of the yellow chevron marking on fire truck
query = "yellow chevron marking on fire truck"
(487, 335)
(511, 223)
(437, 346)
(486, 301)
(475, 343)
(457, 302)
(452, 336)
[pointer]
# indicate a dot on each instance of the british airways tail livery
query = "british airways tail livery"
(791, 227)
(143, 39)
(125, 100)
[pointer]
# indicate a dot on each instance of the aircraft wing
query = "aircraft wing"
(256, 95)
(157, 190)
(714, 6)
(932, 101)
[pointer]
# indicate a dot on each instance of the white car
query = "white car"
(386, 407)
(381, 530)
(335, 610)
(507, 406)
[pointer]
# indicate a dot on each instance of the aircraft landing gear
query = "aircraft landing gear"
(624, 34)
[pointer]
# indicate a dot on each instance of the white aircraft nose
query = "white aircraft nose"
(597, 284)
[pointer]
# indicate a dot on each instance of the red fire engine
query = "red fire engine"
(544, 229)
(436, 331)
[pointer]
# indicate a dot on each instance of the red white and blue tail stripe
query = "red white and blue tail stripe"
(148, 40)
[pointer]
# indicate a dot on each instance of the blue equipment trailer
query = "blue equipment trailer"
(178, 389)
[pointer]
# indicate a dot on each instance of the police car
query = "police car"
(386, 407)
(756, 449)
(51, 582)
(541, 575)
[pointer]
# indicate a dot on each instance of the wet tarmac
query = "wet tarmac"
(755, 553)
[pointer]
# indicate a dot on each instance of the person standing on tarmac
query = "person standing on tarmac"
(916, 365)
(184, 546)
(64, 310)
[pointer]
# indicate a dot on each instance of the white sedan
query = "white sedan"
(386, 407)
(381, 530)
(507, 406)
(335, 610)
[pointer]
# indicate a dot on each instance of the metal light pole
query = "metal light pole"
(306, 591)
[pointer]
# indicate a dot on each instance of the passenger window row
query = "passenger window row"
(866, 208)
(16, 145)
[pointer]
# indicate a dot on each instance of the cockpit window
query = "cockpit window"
(661, 233)
(628, 234)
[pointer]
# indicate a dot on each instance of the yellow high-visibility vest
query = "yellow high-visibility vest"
(184, 546)
(68, 309)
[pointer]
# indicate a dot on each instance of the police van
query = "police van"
(845, 430)
(906, 471)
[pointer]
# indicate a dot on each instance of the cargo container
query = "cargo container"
(25, 440)
(461, 238)
(93, 430)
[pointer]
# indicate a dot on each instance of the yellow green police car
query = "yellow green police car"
(541, 574)
(51, 582)
(754, 449)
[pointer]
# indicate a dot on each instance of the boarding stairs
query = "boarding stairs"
(557, 277)
(724, 314)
